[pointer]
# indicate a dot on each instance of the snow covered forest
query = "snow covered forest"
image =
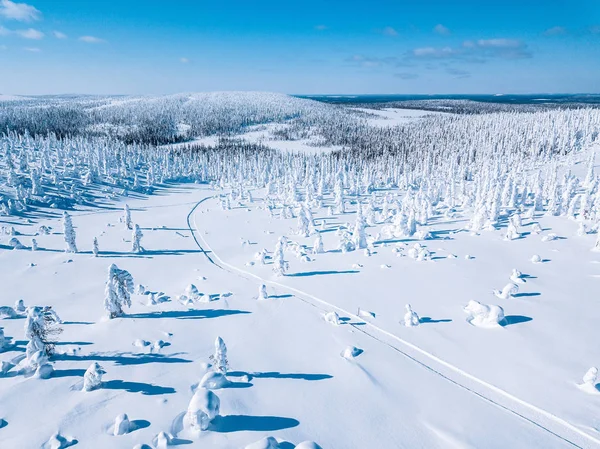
(259, 271)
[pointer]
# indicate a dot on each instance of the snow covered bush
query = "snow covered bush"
(122, 425)
(92, 379)
(95, 248)
(308, 445)
(411, 319)
(219, 358)
(15, 243)
(483, 315)
(508, 291)
(202, 409)
(591, 376)
(213, 380)
(262, 292)
(117, 294)
(41, 325)
(265, 443)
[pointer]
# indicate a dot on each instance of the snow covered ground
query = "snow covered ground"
(442, 384)
(395, 116)
(431, 286)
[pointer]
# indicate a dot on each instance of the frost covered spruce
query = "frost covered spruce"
(136, 239)
(95, 248)
(118, 291)
(69, 233)
(280, 265)
(127, 217)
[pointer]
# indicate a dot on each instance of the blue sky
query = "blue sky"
(311, 47)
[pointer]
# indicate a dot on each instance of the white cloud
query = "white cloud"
(30, 34)
(389, 31)
(476, 51)
(3, 47)
(499, 43)
(555, 31)
(91, 39)
(59, 35)
(19, 11)
(441, 29)
(32, 49)
(184, 60)
(4, 31)
(321, 27)
(431, 52)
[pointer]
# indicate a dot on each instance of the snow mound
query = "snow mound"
(350, 352)
(122, 425)
(308, 445)
(213, 380)
(484, 315)
(203, 408)
(265, 443)
(57, 441)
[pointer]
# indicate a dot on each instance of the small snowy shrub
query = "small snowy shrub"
(122, 425)
(219, 358)
(411, 319)
(92, 379)
(202, 409)
(262, 292)
(483, 315)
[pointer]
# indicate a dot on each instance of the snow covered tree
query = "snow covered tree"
(119, 287)
(40, 328)
(411, 319)
(127, 217)
(95, 249)
(591, 376)
(219, 358)
(69, 233)
(359, 236)
(280, 265)
(92, 379)
(303, 223)
(262, 292)
(318, 245)
(136, 238)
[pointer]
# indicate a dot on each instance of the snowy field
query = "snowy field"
(265, 297)
(395, 116)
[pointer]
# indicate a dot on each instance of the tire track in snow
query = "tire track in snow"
(361, 324)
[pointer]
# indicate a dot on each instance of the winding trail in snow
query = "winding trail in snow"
(542, 418)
